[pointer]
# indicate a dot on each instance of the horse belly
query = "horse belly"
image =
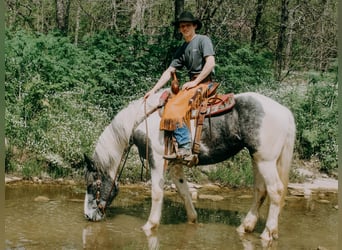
(219, 142)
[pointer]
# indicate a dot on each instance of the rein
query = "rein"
(125, 155)
(117, 177)
(146, 126)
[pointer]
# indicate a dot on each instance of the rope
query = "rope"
(117, 176)
(146, 126)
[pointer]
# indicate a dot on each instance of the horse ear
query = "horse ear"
(90, 164)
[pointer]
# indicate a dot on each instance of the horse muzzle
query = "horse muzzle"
(94, 210)
(96, 214)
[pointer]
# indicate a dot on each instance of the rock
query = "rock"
(41, 199)
(194, 185)
(321, 195)
(210, 197)
(245, 196)
(305, 172)
(212, 186)
(9, 179)
(35, 179)
(70, 182)
(319, 184)
(323, 201)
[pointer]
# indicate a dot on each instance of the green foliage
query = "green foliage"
(315, 108)
(31, 167)
(9, 167)
(235, 172)
(317, 129)
(119, 69)
(52, 59)
(240, 68)
(59, 97)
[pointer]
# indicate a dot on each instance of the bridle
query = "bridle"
(98, 182)
(98, 194)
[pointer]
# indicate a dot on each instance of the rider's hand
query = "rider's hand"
(189, 85)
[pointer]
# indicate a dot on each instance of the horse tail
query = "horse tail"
(285, 159)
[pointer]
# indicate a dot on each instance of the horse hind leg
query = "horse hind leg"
(276, 176)
(259, 194)
(275, 190)
(178, 178)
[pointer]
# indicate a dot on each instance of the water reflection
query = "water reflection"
(187, 236)
(57, 222)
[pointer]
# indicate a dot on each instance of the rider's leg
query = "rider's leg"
(183, 138)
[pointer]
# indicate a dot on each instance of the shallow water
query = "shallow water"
(51, 217)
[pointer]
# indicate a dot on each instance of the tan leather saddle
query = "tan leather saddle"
(203, 106)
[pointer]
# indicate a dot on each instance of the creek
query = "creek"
(40, 216)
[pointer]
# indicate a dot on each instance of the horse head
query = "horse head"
(101, 190)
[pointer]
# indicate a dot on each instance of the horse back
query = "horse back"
(254, 121)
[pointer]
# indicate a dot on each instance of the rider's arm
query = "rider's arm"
(207, 69)
(165, 77)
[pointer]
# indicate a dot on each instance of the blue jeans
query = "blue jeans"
(182, 135)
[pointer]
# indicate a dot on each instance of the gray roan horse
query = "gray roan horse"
(258, 123)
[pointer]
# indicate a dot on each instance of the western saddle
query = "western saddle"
(207, 105)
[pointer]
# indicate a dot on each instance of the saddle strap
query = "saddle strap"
(199, 125)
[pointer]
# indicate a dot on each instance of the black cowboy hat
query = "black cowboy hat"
(187, 17)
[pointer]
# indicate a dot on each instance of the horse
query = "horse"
(256, 122)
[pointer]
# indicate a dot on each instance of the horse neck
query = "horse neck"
(115, 138)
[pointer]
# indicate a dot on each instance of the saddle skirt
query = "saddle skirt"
(218, 104)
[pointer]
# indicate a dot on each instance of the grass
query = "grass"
(235, 172)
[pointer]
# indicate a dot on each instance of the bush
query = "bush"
(241, 69)
(59, 97)
(57, 137)
(315, 109)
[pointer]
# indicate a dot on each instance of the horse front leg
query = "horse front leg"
(157, 193)
(178, 178)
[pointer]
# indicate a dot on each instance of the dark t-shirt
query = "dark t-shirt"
(192, 55)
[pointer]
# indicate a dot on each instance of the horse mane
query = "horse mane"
(115, 137)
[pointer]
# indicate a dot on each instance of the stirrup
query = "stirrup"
(192, 160)
(172, 156)
(189, 160)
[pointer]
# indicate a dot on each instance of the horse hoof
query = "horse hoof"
(241, 229)
(192, 221)
(148, 228)
(268, 235)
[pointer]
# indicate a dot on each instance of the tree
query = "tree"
(137, 21)
(179, 8)
(259, 12)
(62, 15)
(301, 34)
(279, 58)
(77, 23)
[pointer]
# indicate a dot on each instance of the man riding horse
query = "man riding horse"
(198, 56)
